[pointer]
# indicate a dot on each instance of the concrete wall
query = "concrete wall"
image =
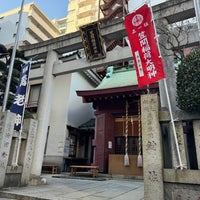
(79, 112)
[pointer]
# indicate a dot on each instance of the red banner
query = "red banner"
(141, 34)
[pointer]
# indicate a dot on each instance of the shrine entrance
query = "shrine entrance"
(117, 129)
(133, 147)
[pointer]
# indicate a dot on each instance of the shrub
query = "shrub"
(188, 82)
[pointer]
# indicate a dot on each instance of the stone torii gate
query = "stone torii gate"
(165, 13)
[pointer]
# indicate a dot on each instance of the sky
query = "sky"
(54, 9)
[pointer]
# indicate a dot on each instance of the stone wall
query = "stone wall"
(174, 183)
(181, 184)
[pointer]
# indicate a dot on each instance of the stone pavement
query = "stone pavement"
(62, 188)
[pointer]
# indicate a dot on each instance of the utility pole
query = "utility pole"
(12, 60)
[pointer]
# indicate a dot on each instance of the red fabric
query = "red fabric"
(141, 34)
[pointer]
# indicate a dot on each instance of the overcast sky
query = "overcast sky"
(52, 8)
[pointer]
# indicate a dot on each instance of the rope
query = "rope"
(132, 131)
(126, 130)
(126, 158)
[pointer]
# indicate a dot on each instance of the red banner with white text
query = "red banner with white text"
(141, 34)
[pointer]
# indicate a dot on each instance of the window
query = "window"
(34, 95)
(133, 135)
(132, 145)
(190, 145)
(63, 25)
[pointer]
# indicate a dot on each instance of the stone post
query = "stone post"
(30, 127)
(7, 120)
(181, 146)
(43, 114)
(196, 128)
(152, 148)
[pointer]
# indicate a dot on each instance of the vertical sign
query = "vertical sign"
(19, 101)
(141, 34)
(92, 42)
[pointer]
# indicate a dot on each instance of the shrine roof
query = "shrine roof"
(119, 78)
(117, 83)
(88, 124)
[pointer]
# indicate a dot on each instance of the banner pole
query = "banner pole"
(167, 95)
(12, 60)
(173, 126)
(15, 164)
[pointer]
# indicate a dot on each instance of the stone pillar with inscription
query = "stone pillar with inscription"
(7, 120)
(152, 148)
(30, 127)
(196, 128)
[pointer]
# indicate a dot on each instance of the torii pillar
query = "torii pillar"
(43, 114)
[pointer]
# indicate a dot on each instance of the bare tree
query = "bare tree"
(177, 37)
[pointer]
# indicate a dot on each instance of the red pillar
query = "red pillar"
(104, 133)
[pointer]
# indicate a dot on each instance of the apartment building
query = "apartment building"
(82, 12)
(35, 26)
(61, 24)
